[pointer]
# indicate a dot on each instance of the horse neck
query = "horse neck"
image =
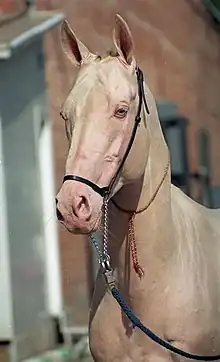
(152, 226)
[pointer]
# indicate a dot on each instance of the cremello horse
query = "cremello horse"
(177, 241)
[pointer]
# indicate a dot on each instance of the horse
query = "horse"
(164, 247)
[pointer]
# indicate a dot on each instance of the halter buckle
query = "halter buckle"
(138, 119)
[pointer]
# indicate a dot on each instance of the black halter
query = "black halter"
(106, 190)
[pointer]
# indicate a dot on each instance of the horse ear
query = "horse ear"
(74, 49)
(123, 40)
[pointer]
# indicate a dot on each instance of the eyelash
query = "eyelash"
(121, 112)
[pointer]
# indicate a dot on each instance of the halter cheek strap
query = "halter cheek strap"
(106, 190)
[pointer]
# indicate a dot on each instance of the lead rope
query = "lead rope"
(131, 231)
(104, 260)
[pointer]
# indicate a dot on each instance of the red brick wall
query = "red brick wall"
(4, 354)
(11, 6)
(178, 48)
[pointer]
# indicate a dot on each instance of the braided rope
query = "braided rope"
(131, 233)
(137, 323)
(133, 247)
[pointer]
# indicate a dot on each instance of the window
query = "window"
(213, 6)
(204, 167)
(203, 151)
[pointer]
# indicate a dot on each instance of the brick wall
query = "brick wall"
(4, 353)
(178, 47)
(11, 6)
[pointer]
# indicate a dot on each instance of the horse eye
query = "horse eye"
(121, 112)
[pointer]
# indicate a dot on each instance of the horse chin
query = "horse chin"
(96, 224)
(83, 228)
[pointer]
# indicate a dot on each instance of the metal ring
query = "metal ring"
(106, 265)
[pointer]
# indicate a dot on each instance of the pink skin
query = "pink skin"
(99, 114)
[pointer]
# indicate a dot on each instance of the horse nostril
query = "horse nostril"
(81, 208)
(56, 201)
(59, 215)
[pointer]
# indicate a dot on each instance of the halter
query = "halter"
(104, 258)
(106, 191)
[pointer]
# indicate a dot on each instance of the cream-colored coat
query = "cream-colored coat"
(178, 240)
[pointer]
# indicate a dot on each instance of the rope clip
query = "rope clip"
(110, 279)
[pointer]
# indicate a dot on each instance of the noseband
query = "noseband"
(106, 190)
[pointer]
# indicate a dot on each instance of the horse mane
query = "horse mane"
(112, 53)
(109, 53)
